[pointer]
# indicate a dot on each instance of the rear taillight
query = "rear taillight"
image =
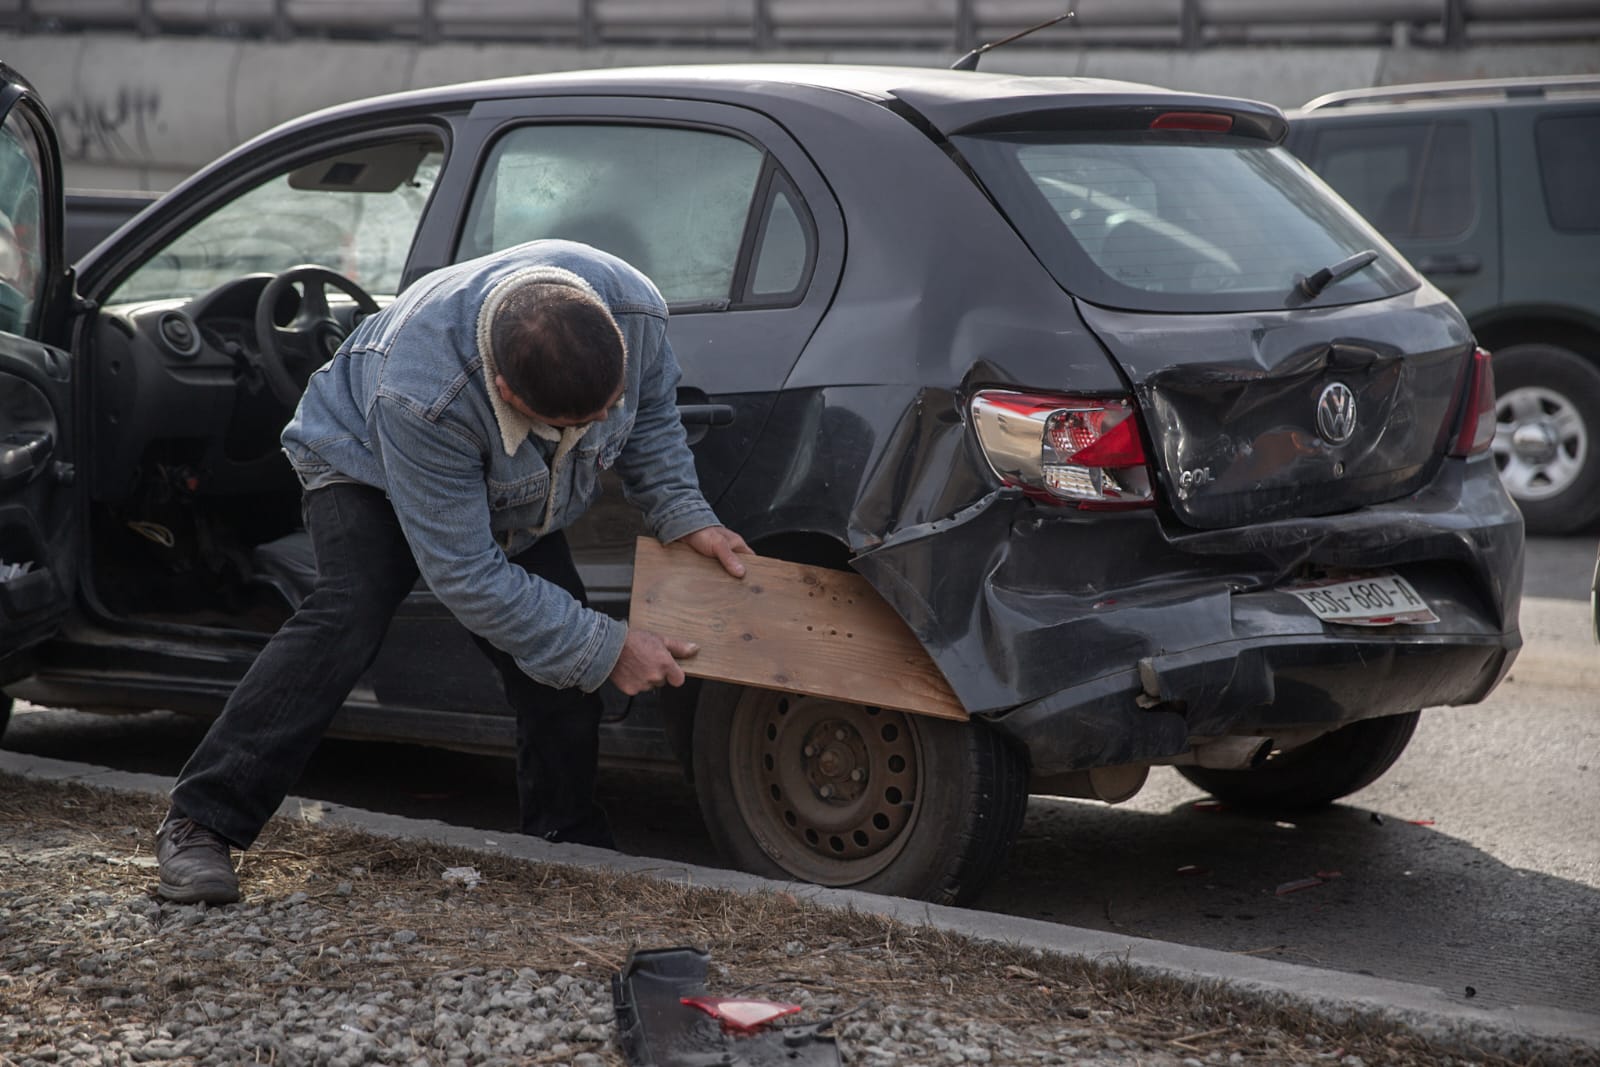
(1084, 451)
(1477, 421)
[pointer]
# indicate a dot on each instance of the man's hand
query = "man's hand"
(649, 661)
(720, 543)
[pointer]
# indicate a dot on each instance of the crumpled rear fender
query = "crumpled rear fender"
(1059, 624)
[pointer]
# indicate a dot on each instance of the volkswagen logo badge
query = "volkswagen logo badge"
(1336, 413)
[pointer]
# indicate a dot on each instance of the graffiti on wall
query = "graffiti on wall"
(110, 129)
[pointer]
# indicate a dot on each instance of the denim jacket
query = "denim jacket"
(406, 406)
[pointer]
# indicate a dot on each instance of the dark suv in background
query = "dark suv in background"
(1492, 190)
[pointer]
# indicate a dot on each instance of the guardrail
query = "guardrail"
(769, 24)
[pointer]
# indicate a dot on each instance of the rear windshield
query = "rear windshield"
(1152, 223)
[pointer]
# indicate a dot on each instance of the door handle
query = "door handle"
(698, 419)
(699, 414)
(1457, 263)
(22, 456)
(706, 414)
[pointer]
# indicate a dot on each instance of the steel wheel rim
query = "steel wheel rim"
(830, 790)
(1540, 442)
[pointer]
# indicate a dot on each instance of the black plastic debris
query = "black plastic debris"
(657, 1029)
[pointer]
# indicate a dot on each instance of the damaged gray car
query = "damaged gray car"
(1161, 452)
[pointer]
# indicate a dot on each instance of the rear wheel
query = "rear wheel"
(1317, 773)
(1547, 435)
(841, 794)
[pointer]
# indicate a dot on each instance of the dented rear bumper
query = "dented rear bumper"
(1105, 639)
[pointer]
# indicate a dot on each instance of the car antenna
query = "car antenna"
(970, 60)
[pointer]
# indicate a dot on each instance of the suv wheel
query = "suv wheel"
(1318, 772)
(1547, 435)
(841, 794)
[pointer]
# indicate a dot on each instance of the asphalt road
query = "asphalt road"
(1473, 865)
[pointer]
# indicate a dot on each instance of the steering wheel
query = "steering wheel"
(308, 340)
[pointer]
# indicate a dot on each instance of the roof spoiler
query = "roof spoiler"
(1086, 114)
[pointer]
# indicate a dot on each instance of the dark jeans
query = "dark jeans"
(255, 751)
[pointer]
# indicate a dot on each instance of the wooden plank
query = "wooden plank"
(789, 627)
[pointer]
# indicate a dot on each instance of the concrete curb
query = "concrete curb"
(1515, 1031)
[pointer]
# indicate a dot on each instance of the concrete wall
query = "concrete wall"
(140, 113)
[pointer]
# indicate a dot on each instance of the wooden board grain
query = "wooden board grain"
(787, 626)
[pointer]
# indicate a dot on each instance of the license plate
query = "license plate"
(1373, 600)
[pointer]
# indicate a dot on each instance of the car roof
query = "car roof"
(950, 99)
(875, 81)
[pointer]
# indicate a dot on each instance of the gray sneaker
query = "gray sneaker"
(195, 863)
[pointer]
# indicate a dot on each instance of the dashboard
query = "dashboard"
(182, 379)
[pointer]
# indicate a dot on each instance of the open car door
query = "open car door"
(38, 534)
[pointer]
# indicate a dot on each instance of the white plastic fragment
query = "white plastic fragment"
(467, 876)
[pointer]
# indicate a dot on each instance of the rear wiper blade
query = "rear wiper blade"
(1307, 288)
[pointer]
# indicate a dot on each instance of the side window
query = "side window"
(1409, 180)
(1449, 202)
(671, 201)
(21, 225)
(784, 249)
(1569, 163)
(355, 212)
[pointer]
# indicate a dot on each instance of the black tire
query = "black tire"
(1317, 773)
(1555, 482)
(932, 815)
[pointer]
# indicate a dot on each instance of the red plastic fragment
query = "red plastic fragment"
(1193, 869)
(1206, 805)
(1420, 822)
(1297, 885)
(740, 1014)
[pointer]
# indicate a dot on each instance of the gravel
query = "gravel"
(105, 993)
(351, 950)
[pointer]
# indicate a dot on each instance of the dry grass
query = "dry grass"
(572, 920)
